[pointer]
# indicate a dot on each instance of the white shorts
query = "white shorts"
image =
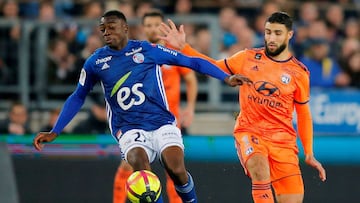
(153, 142)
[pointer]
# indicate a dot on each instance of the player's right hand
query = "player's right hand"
(237, 79)
(43, 137)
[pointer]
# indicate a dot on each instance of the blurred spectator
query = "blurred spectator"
(318, 29)
(92, 43)
(335, 21)
(324, 70)
(352, 28)
(96, 123)
(61, 64)
(308, 13)
(349, 46)
(69, 33)
(17, 121)
(245, 37)
(92, 10)
(259, 30)
(9, 42)
(183, 8)
(53, 115)
(29, 9)
(64, 8)
(353, 69)
(203, 40)
(226, 17)
(270, 7)
(46, 15)
(127, 8)
(5, 75)
(143, 7)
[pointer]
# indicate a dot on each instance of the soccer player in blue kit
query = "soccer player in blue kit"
(138, 115)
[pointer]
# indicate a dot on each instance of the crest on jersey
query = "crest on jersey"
(138, 58)
(257, 56)
(285, 78)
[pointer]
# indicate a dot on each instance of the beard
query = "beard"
(153, 38)
(276, 52)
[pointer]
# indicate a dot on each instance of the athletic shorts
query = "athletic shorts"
(283, 159)
(153, 142)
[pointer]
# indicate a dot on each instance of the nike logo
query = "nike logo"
(189, 201)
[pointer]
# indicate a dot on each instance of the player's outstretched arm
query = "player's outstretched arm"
(42, 138)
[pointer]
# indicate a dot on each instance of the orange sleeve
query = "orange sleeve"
(305, 127)
(302, 93)
(189, 51)
(184, 71)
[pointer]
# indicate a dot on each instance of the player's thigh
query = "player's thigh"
(247, 145)
(285, 171)
(168, 136)
(136, 138)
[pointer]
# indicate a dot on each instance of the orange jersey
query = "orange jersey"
(172, 82)
(266, 106)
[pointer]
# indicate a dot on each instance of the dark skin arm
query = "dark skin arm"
(43, 137)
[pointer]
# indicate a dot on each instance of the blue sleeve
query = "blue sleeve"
(75, 101)
(71, 107)
(171, 57)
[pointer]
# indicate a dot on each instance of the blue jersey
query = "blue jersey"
(132, 85)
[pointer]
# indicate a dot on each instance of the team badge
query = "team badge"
(285, 78)
(258, 56)
(138, 58)
(249, 150)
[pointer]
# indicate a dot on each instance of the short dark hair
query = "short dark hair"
(115, 13)
(153, 13)
(281, 18)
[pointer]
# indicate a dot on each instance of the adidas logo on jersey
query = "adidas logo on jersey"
(105, 66)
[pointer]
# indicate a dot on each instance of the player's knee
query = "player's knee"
(125, 165)
(258, 167)
(138, 159)
(289, 198)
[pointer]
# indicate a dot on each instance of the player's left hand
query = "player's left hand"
(237, 79)
(43, 137)
(311, 161)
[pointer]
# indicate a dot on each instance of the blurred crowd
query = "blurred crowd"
(327, 33)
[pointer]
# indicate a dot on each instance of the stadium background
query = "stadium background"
(81, 168)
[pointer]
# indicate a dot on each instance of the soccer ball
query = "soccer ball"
(143, 187)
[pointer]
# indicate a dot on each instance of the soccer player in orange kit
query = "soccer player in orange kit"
(264, 135)
(171, 76)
